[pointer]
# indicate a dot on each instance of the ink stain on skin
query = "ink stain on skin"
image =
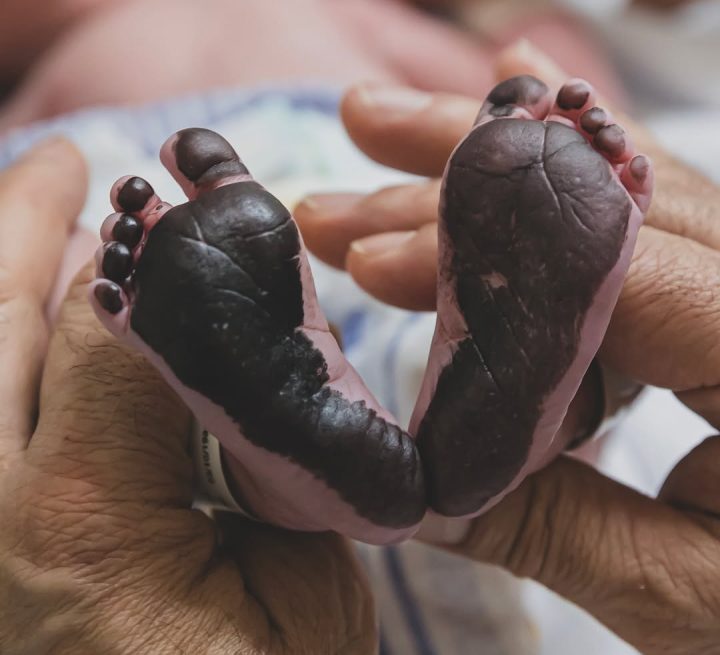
(518, 218)
(135, 194)
(219, 297)
(533, 222)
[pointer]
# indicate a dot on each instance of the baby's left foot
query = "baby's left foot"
(540, 208)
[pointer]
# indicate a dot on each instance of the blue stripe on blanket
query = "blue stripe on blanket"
(389, 393)
(412, 613)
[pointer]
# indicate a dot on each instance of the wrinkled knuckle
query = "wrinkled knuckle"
(528, 552)
(701, 581)
(542, 547)
(328, 608)
(100, 363)
(69, 513)
(46, 608)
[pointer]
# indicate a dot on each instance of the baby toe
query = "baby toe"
(614, 143)
(128, 231)
(637, 177)
(522, 97)
(111, 306)
(124, 228)
(594, 119)
(574, 97)
(115, 261)
(201, 160)
(131, 194)
(109, 296)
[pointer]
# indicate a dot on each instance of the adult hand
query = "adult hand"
(100, 551)
(648, 568)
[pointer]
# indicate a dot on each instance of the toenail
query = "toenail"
(127, 231)
(573, 96)
(134, 194)
(117, 262)
(203, 156)
(639, 167)
(109, 296)
(593, 120)
(611, 140)
(522, 90)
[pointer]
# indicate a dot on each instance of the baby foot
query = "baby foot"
(218, 294)
(540, 210)
(541, 207)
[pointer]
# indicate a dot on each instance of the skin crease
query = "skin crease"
(648, 569)
(99, 550)
(684, 581)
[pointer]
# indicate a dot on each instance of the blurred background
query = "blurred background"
(118, 76)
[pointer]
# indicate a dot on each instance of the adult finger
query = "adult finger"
(106, 416)
(665, 325)
(638, 565)
(694, 483)
(405, 128)
(40, 198)
(331, 222)
(417, 132)
(81, 246)
(399, 268)
(302, 580)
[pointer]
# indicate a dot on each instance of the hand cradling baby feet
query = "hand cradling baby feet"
(540, 209)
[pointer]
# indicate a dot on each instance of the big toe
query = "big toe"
(524, 96)
(201, 160)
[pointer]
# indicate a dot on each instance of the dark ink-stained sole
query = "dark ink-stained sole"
(534, 221)
(219, 298)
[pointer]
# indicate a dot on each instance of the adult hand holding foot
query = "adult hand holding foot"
(541, 207)
(100, 551)
(647, 568)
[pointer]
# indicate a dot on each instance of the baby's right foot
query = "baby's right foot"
(218, 294)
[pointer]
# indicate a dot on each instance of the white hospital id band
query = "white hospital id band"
(211, 488)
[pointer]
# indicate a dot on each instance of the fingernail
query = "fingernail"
(327, 203)
(396, 100)
(380, 244)
(520, 47)
(525, 48)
